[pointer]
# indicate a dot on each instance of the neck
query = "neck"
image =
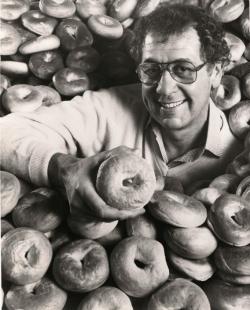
(178, 142)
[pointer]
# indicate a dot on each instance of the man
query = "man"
(169, 118)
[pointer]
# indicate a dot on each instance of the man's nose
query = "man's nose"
(167, 84)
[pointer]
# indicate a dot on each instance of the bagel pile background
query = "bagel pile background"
(52, 50)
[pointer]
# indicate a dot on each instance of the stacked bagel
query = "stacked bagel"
(190, 242)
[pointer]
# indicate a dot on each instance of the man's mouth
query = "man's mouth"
(172, 104)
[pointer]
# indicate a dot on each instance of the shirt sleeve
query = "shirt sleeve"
(28, 140)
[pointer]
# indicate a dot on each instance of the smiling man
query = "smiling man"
(169, 118)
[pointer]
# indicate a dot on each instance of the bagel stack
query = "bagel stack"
(184, 233)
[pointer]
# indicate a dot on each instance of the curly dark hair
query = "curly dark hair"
(169, 20)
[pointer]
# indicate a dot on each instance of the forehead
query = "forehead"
(180, 46)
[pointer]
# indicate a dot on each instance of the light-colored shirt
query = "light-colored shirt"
(102, 120)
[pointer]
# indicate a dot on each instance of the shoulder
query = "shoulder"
(125, 100)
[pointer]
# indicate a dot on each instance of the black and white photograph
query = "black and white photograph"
(125, 154)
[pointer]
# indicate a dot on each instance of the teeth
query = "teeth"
(173, 104)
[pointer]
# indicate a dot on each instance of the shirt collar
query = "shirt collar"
(214, 143)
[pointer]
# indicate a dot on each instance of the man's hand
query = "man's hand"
(76, 177)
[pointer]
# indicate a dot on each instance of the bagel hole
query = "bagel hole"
(139, 264)
(132, 182)
(31, 255)
(238, 218)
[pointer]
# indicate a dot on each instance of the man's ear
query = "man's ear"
(216, 75)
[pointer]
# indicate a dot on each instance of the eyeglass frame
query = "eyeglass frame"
(165, 67)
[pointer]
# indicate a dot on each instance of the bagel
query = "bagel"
(226, 11)
(44, 64)
(138, 265)
(226, 182)
(228, 94)
(10, 40)
(42, 209)
(37, 22)
(247, 140)
(49, 94)
(237, 48)
(127, 22)
(90, 227)
(233, 278)
(177, 209)
(87, 8)
(43, 294)
(240, 69)
(112, 238)
(246, 85)
(40, 44)
(179, 294)
(125, 181)
(87, 58)
(73, 33)
(245, 24)
(5, 227)
(241, 164)
(25, 34)
(4, 81)
(70, 82)
(26, 255)
(225, 296)
(13, 9)
(105, 26)
(247, 52)
(122, 9)
(14, 68)
(58, 237)
(208, 195)
(141, 225)
(81, 266)
(232, 260)
(239, 119)
(21, 98)
(243, 188)
(106, 298)
(193, 243)
(196, 269)
(229, 218)
(57, 8)
(10, 192)
(144, 7)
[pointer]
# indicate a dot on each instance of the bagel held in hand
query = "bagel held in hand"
(126, 181)
(77, 176)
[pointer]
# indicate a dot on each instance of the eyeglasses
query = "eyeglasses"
(181, 71)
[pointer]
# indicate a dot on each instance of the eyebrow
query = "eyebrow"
(150, 59)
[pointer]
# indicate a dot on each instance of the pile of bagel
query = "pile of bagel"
(191, 247)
